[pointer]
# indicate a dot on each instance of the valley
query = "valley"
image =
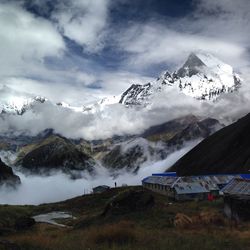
(44, 149)
(51, 153)
(124, 125)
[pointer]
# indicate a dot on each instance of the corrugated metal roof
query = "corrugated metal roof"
(162, 180)
(189, 188)
(210, 182)
(237, 186)
(210, 179)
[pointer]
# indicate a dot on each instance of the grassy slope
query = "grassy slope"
(150, 229)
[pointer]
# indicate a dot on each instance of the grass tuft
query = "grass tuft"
(121, 233)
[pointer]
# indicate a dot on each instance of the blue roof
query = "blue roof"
(245, 176)
(165, 174)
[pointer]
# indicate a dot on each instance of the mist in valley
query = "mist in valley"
(57, 187)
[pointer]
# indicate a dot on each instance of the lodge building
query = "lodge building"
(187, 187)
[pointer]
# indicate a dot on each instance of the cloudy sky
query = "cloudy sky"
(82, 50)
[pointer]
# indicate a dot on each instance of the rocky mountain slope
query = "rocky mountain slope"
(226, 151)
(7, 176)
(13, 142)
(130, 155)
(54, 152)
(49, 151)
(168, 130)
(183, 129)
(199, 129)
(202, 76)
(157, 142)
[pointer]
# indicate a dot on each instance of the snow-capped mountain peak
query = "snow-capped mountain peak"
(110, 100)
(15, 102)
(102, 104)
(202, 76)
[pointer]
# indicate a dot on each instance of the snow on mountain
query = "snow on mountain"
(205, 77)
(109, 100)
(137, 94)
(14, 102)
(68, 106)
(100, 105)
(202, 76)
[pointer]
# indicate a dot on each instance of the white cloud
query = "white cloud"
(154, 43)
(25, 40)
(218, 27)
(116, 119)
(56, 91)
(83, 21)
(116, 82)
(106, 121)
(77, 80)
(224, 7)
(82, 90)
(146, 43)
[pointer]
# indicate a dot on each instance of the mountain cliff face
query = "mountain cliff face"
(137, 94)
(53, 153)
(195, 130)
(166, 131)
(157, 142)
(226, 151)
(48, 151)
(202, 76)
(183, 129)
(132, 154)
(7, 176)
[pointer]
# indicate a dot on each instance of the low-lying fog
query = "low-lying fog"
(39, 189)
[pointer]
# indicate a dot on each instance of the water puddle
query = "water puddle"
(50, 218)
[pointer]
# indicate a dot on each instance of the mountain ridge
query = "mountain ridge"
(202, 76)
(7, 177)
(225, 151)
